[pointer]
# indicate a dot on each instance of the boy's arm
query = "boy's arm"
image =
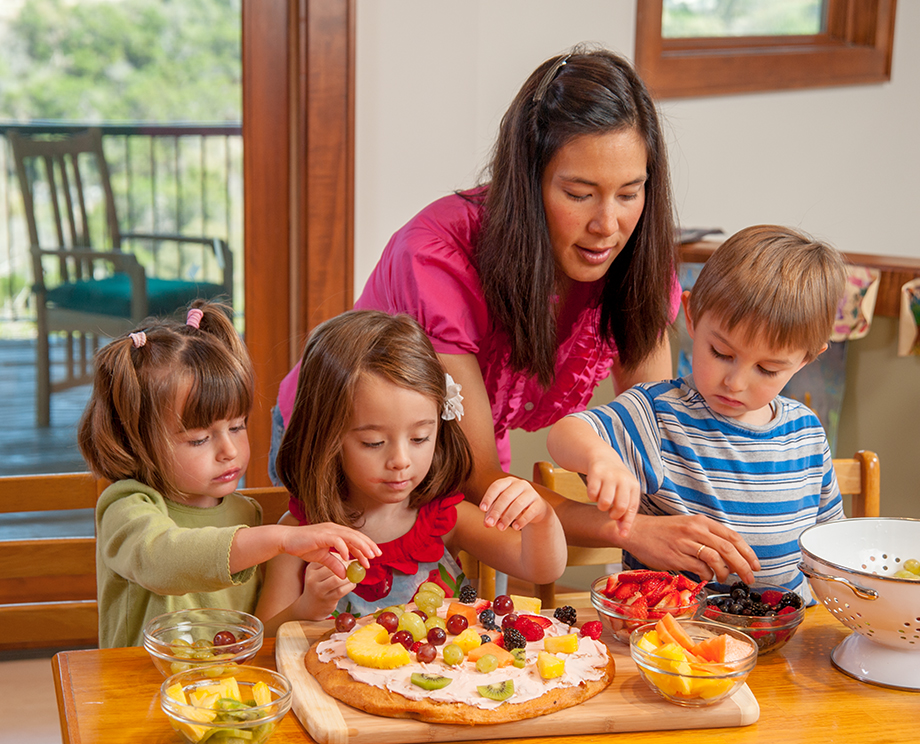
(574, 444)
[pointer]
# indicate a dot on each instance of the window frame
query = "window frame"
(856, 49)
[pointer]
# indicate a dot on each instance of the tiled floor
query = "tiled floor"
(27, 687)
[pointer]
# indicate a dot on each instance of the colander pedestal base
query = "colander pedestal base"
(876, 664)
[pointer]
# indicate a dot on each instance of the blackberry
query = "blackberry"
(761, 609)
(514, 639)
(790, 599)
(487, 618)
(566, 614)
(467, 594)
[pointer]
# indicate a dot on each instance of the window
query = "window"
(850, 45)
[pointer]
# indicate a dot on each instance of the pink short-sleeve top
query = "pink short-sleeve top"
(427, 270)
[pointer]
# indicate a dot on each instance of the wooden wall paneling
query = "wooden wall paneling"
(298, 142)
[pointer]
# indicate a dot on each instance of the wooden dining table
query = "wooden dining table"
(111, 695)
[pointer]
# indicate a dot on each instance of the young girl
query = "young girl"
(375, 442)
(167, 424)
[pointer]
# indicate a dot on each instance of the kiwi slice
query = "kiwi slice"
(430, 681)
(520, 657)
(498, 690)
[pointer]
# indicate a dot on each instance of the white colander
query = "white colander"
(850, 565)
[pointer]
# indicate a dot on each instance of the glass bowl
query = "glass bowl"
(689, 682)
(770, 631)
(243, 705)
(621, 619)
(178, 641)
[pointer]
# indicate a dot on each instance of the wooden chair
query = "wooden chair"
(48, 584)
(81, 289)
(571, 486)
(858, 478)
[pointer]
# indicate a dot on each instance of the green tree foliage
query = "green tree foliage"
(123, 60)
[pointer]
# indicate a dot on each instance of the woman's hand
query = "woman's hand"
(512, 502)
(691, 543)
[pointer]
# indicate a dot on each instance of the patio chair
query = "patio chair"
(88, 291)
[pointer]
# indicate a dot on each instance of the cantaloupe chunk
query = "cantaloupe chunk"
(673, 629)
(468, 611)
(504, 657)
(712, 649)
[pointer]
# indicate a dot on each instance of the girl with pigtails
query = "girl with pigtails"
(166, 423)
(375, 443)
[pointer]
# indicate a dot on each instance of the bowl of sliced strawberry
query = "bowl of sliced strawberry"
(628, 599)
(768, 613)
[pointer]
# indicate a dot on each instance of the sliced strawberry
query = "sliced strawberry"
(624, 591)
(631, 577)
(481, 604)
(610, 587)
(653, 589)
(638, 608)
(771, 597)
(543, 622)
(529, 629)
(786, 610)
(669, 601)
(592, 629)
(684, 583)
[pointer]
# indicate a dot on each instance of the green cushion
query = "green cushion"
(112, 295)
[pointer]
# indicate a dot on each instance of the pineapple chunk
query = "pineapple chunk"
(531, 605)
(549, 665)
(468, 640)
(564, 644)
(177, 693)
(261, 693)
(370, 646)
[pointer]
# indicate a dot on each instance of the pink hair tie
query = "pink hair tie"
(139, 339)
(194, 317)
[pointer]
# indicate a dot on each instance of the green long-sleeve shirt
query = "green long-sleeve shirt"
(154, 556)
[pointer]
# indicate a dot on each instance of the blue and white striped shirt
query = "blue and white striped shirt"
(768, 483)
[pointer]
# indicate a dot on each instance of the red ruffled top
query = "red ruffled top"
(423, 543)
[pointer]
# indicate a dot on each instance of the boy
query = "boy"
(721, 442)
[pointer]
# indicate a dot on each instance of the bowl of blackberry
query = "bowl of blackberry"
(768, 613)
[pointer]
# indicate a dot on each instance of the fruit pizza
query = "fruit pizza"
(466, 660)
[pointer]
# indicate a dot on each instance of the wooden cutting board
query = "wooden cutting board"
(627, 705)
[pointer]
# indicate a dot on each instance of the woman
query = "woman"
(560, 270)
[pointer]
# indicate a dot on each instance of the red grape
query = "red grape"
(426, 653)
(224, 638)
(456, 624)
(437, 636)
(404, 637)
(344, 622)
(502, 604)
(388, 620)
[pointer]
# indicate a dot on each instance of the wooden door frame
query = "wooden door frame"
(298, 171)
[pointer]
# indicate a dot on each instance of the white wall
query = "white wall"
(434, 78)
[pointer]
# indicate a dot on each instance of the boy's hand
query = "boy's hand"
(313, 542)
(512, 502)
(615, 490)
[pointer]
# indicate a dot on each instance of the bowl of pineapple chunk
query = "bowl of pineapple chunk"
(692, 663)
(243, 705)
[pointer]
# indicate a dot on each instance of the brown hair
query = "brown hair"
(126, 429)
(776, 283)
(594, 92)
(338, 353)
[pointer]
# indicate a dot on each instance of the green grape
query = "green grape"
(428, 602)
(414, 624)
(902, 574)
(486, 663)
(355, 572)
(434, 621)
(912, 565)
(430, 586)
(453, 654)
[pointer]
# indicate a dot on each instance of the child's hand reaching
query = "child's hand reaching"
(513, 502)
(614, 489)
(322, 589)
(312, 544)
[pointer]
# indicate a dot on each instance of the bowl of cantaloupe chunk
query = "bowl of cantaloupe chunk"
(243, 706)
(692, 663)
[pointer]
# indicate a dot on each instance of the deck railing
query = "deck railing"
(178, 177)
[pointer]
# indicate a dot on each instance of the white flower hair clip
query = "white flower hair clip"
(453, 404)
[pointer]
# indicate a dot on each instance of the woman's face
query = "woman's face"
(593, 195)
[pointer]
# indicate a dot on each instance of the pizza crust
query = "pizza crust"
(381, 702)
